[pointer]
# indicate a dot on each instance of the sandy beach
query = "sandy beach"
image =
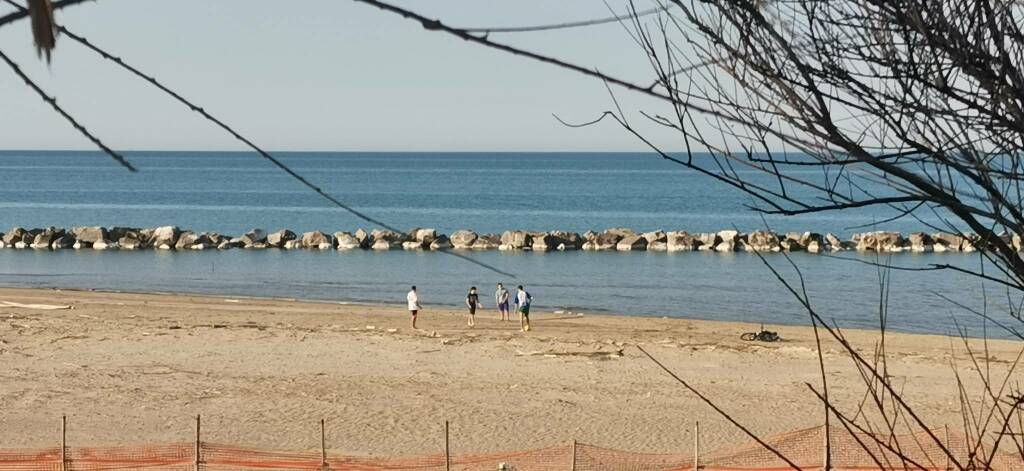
(137, 368)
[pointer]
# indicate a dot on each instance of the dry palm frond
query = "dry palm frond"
(43, 26)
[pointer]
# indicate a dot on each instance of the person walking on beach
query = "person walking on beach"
(414, 304)
(473, 302)
(501, 299)
(523, 301)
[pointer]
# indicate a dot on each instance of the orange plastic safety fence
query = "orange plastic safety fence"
(805, 448)
(595, 458)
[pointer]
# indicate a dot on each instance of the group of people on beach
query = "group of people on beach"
(502, 300)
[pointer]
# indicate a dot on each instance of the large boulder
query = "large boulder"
(378, 234)
(654, 236)
(185, 240)
(136, 238)
(423, 236)
(204, 241)
(708, 241)
(463, 239)
(633, 242)
(317, 240)
(971, 243)
(568, 240)
(943, 242)
(14, 236)
(413, 245)
(487, 242)
(117, 232)
(65, 241)
(807, 238)
(27, 238)
(127, 242)
(216, 238)
(762, 241)
(658, 246)
(728, 241)
(419, 239)
(442, 242)
(620, 231)
(604, 241)
(515, 240)
(834, 243)
(345, 241)
(543, 242)
(810, 241)
(45, 238)
(255, 238)
(235, 242)
(164, 237)
(879, 241)
(385, 244)
(89, 234)
(681, 241)
(364, 238)
(657, 241)
(920, 242)
(279, 238)
(146, 234)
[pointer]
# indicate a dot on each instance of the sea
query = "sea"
(232, 192)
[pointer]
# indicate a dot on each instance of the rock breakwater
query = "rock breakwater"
(617, 239)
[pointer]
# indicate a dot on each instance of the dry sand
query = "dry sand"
(137, 368)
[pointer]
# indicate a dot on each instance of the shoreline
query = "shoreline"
(453, 308)
(134, 368)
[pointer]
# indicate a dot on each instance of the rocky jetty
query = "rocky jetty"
(615, 239)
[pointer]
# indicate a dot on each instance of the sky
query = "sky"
(323, 75)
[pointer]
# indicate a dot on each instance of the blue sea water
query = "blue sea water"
(231, 192)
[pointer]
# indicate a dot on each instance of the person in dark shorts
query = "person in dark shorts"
(472, 302)
(414, 304)
(523, 301)
(501, 299)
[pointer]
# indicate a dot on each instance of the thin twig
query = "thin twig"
(262, 153)
(557, 26)
(53, 103)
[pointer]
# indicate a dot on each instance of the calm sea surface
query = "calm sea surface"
(487, 192)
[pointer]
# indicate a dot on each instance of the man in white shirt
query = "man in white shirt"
(523, 300)
(414, 304)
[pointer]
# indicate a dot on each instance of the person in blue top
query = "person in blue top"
(523, 301)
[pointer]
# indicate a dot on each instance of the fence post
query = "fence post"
(198, 424)
(696, 446)
(447, 452)
(573, 455)
(323, 445)
(63, 443)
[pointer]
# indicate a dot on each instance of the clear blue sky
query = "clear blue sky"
(321, 75)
